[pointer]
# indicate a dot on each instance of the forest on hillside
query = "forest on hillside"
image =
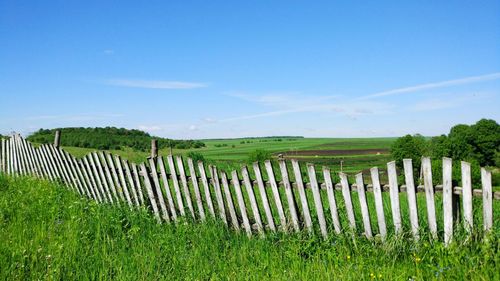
(109, 138)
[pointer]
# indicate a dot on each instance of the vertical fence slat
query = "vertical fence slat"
(138, 183)
(379, 205)
(196, 188)
(159, 193)
(4, 157)
(331, 199)
(79, 175)
(116, 180)
(175, 181)
(51, 161)
(149, 190)
(292, 206)
(103, 177)
(62, 166)
(187, 194)
(166, 185)
(487, 199)
(19, 155)
(36, 160)
(28, 158)
(394, 196)
(66, 169)
(206, 188)
(276, 195)
(302, 193)
(98, 177)
(241, 203)
(447, 200)
(110, 178)
(88, 172)
(15, 158)
(86, 179)
(253, 201)
(29, 150)
(41, 162)
(346, 193)
(13, 166)
(95, 171)
(67, 159)
(317, 199)
(58, 165)
(429, 195)
(263, 197)
(132, 185)
(20, 159)
(8, 157)
(218, 193)
(118, 162)
(412, 197)
(229, 201)
(467, 195)
(365, 214)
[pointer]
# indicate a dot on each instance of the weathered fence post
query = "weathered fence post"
(57, 138)
(154, 148)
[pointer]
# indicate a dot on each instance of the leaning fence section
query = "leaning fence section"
(172, 189)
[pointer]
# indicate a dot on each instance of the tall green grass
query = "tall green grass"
(49, 233)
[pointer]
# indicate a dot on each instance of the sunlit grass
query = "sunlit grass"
(49, 233)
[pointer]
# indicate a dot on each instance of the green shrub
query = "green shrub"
(196, 156)
(259, 155)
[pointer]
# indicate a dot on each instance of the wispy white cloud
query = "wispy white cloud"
(447, 101)
(149, 128)
(349, 109)
(283, 99)
(434, 85)
(292, 102)
(209, 120)
(109, 52)
(74, 117)
(155, 84)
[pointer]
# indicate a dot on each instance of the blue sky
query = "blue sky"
(215, 69)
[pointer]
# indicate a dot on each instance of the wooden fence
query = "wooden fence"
(258, 206)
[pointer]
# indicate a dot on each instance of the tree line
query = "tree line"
(478, 144)
(109, 138)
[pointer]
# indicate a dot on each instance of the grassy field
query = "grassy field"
(357, 154)
(52, 234)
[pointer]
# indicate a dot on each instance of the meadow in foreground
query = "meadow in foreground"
(49, 233)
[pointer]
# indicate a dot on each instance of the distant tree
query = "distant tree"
(485, 141)
(440, 147)
(109, 138)
(460, 142)
(412, 147)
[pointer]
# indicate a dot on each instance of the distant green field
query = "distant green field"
(357, 154)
